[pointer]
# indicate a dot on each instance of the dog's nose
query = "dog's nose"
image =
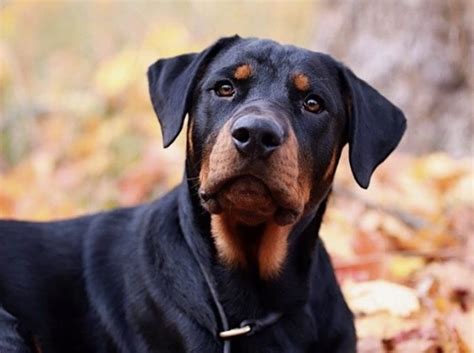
(257, 137)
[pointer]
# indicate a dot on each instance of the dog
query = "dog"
(230, 260)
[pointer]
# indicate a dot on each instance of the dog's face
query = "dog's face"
(263, 112)
(267, 126)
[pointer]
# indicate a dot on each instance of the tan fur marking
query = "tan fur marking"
(228, 244)
(271, 252)
(204, 172)
(273, 249)
(290, 183)
(190, 137)
(37, 345)
(332, 167)
(301, 82)
(243, 72)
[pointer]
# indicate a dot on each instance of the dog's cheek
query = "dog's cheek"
(206, 150)
(323, 176)
(305, 177)
(223, 159)
(204, 172)
(291, 172)
(190, 140)
(331, 168)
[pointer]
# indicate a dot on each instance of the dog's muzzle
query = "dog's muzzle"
(252, 171)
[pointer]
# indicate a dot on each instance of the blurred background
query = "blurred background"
(78, 134)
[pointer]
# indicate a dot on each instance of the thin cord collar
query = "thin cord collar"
(247, 327)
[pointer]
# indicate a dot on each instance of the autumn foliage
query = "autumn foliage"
(403, 252)
(78, 137)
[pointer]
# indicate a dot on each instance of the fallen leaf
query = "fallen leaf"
(375, 296)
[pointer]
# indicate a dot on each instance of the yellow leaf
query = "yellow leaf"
(401, 267)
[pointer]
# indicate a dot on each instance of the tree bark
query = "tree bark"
(417, 53)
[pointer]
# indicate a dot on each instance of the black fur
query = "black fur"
(125, 281)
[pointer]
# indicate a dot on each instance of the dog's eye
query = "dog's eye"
(313, 104)
(224, 89)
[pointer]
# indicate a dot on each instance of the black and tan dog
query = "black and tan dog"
(236, 241)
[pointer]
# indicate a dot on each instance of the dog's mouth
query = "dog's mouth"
(249, 199)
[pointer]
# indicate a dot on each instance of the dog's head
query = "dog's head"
(267, 125)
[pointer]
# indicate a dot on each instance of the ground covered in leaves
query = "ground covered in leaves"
(404, 252)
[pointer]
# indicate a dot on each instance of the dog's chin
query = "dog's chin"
(248, 201)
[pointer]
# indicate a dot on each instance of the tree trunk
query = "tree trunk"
(419, 54)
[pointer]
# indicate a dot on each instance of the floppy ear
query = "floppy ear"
(171, 83)
(376, 126)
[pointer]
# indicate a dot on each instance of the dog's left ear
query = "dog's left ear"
(171, 83)
(376, 126)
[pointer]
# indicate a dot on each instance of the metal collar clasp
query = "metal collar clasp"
(239, 331)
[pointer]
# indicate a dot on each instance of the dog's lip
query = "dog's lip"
(212, 190)
(283, 216)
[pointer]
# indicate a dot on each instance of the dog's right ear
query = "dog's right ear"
(171, 83)
(376, 126)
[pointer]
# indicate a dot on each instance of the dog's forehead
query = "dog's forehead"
(269, 56)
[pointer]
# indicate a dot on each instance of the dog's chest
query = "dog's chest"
(187, 316)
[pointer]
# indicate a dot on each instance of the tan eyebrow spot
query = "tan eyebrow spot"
(243, 72)
(301, 82)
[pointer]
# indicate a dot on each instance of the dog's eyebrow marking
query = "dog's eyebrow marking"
(243, 72)
(301, 82)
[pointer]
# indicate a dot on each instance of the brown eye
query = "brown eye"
(224, 89)
(313, 104)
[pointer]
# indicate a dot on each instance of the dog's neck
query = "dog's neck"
(242, 290)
